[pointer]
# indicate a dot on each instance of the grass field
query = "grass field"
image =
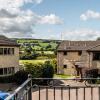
(33, 61)
(62, 76)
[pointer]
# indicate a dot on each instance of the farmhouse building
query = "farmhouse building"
(73, 56)
(9, 56)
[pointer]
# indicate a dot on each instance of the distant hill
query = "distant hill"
(38, 44)
(30, 40)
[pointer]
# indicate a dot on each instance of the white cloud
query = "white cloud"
(81, 34)
(14, 5)
(15, 21)
(38, 1)
(48, 19)
(90, 15)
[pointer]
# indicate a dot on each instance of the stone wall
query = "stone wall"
(60, 62)
(70, 60)
(10, 60)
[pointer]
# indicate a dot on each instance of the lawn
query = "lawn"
(32, 61)
(62, 76)
(43, 44)
(46, 52)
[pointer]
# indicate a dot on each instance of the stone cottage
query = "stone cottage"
(73, 56)
(9, 56)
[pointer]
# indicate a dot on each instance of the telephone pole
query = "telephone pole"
(62, 36)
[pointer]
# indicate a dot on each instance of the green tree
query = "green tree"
(54, 64)
(47, 70)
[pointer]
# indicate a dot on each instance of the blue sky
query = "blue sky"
(74, 19)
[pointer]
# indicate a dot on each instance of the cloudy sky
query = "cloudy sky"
(50, 19)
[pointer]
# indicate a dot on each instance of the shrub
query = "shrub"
(92, 73)
(47, 70)
(50, 56)
(20, 76)
(27, 56)
(54, 64)
(34, 69)
(40, 71)
(7, 79)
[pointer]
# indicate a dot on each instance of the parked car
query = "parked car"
(4, 95)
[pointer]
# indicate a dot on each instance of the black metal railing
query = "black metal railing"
(23, 92)
(56, 89)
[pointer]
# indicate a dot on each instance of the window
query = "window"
(5, 51)
(5, 71)
(11, 70)
(65, 66)
(12, 50)
(9, 51)
(96, 56)
(65, 53)
(79, 53)
(1, 71)
(1, 51)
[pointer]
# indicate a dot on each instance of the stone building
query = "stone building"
(9, 56)
(73, 56)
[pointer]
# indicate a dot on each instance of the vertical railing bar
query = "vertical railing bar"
(61, 93)
(99, 93)
(69, 93)
(84, 93)
(46, 93)
(76, 93)
(16, 96)
(26, 95)
(54, 93)
(91, 93)
(39, 92)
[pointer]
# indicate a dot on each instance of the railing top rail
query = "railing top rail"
(18, 89)
(65, 86)
(66, 78)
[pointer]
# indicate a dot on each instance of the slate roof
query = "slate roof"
(4, 41)
(79, 45)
